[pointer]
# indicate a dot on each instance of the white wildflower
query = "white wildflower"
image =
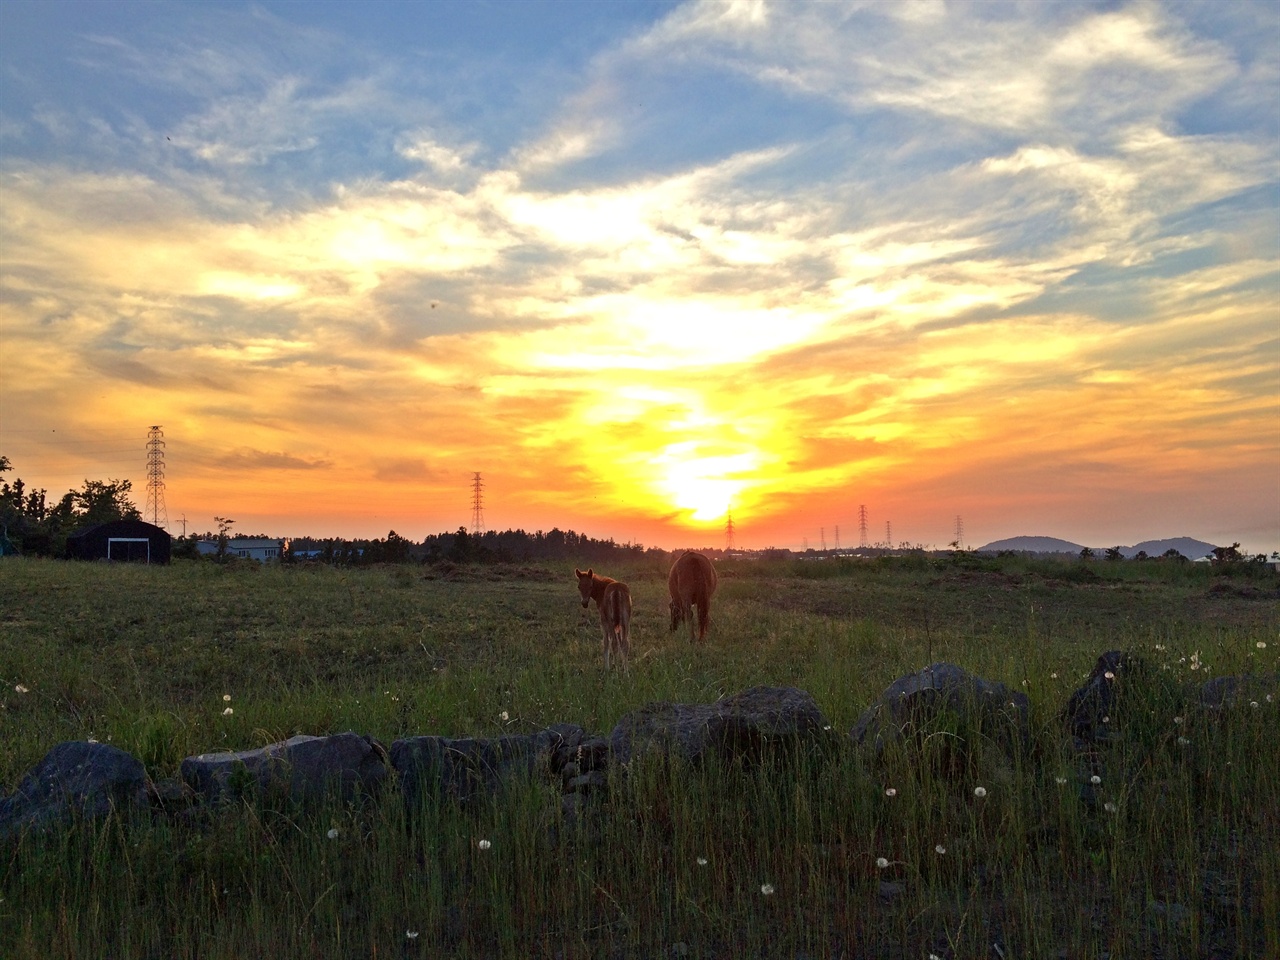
(483, 844)
(333, 833)
(766, 889)
(881, 863)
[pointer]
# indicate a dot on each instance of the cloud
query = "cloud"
(990, 227)
(248, 459)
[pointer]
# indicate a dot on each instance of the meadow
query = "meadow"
(839, 853)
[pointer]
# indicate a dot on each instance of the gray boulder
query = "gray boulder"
(462, 769)
(1089, 712)
(1223, 693)
(303, 768)
(914, 703)
(740, 726)
(75, 779)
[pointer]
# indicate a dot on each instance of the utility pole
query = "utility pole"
(155, 478)
(477, 505)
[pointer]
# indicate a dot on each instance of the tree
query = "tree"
(1114, 554)
(224, 524)
(1086, 555)
(42, 529)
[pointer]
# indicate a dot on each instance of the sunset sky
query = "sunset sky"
(638, 263)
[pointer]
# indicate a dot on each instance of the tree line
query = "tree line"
(38, 526)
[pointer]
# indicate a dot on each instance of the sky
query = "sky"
(1000, 268)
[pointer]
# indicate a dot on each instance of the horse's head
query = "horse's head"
(677, 615)
(584, 585)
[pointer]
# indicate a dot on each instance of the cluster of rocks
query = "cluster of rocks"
(88, 780)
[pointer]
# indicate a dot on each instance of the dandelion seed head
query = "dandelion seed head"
(891, 792)
(1109, 675)
(940, 849)
(1177, 721)
(1095, 779)
(411, 934)
(766, 889)
(979, 792)
(1254, 704)
(881, 863)
(1262, 644)
(1110, 807)
(504, 716)
(333, 833)
(227, 712)
(702, 861)
(1054, 675)
(226, 696)
(483, 844)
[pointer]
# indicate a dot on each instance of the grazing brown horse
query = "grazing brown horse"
(613, 600)
(692, 581)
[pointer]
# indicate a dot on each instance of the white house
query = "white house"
(250, 548)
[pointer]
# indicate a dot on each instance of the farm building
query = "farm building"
(124, 540)
(248, 548)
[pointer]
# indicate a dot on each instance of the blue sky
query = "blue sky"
(642, 263)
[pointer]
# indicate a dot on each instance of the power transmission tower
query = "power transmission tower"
(959, 533)
(888, 534)
(862, 525)
(806, 544)
(729, 542)
(155, 478)
(837, 538)
(823, 534)
(477, 505)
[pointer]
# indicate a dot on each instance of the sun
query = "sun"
(705, 486)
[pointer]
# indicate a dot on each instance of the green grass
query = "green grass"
(1182, 863)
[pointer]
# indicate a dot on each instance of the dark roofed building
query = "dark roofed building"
(122, 540)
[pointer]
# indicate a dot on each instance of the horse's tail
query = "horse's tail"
(704, 612)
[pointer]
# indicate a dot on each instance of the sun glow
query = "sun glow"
(704, 486)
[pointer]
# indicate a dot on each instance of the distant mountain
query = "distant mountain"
(1187, 546)
(1033, 545)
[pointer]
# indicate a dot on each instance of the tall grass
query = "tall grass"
(832, 851)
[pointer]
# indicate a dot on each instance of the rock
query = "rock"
(1223, 693)
(75, 779)
(464, 768)
(1089, 712)
(740, 726)
(304, 768)
(590, 782)
(914, 702)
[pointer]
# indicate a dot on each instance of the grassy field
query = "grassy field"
(1177, 858)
